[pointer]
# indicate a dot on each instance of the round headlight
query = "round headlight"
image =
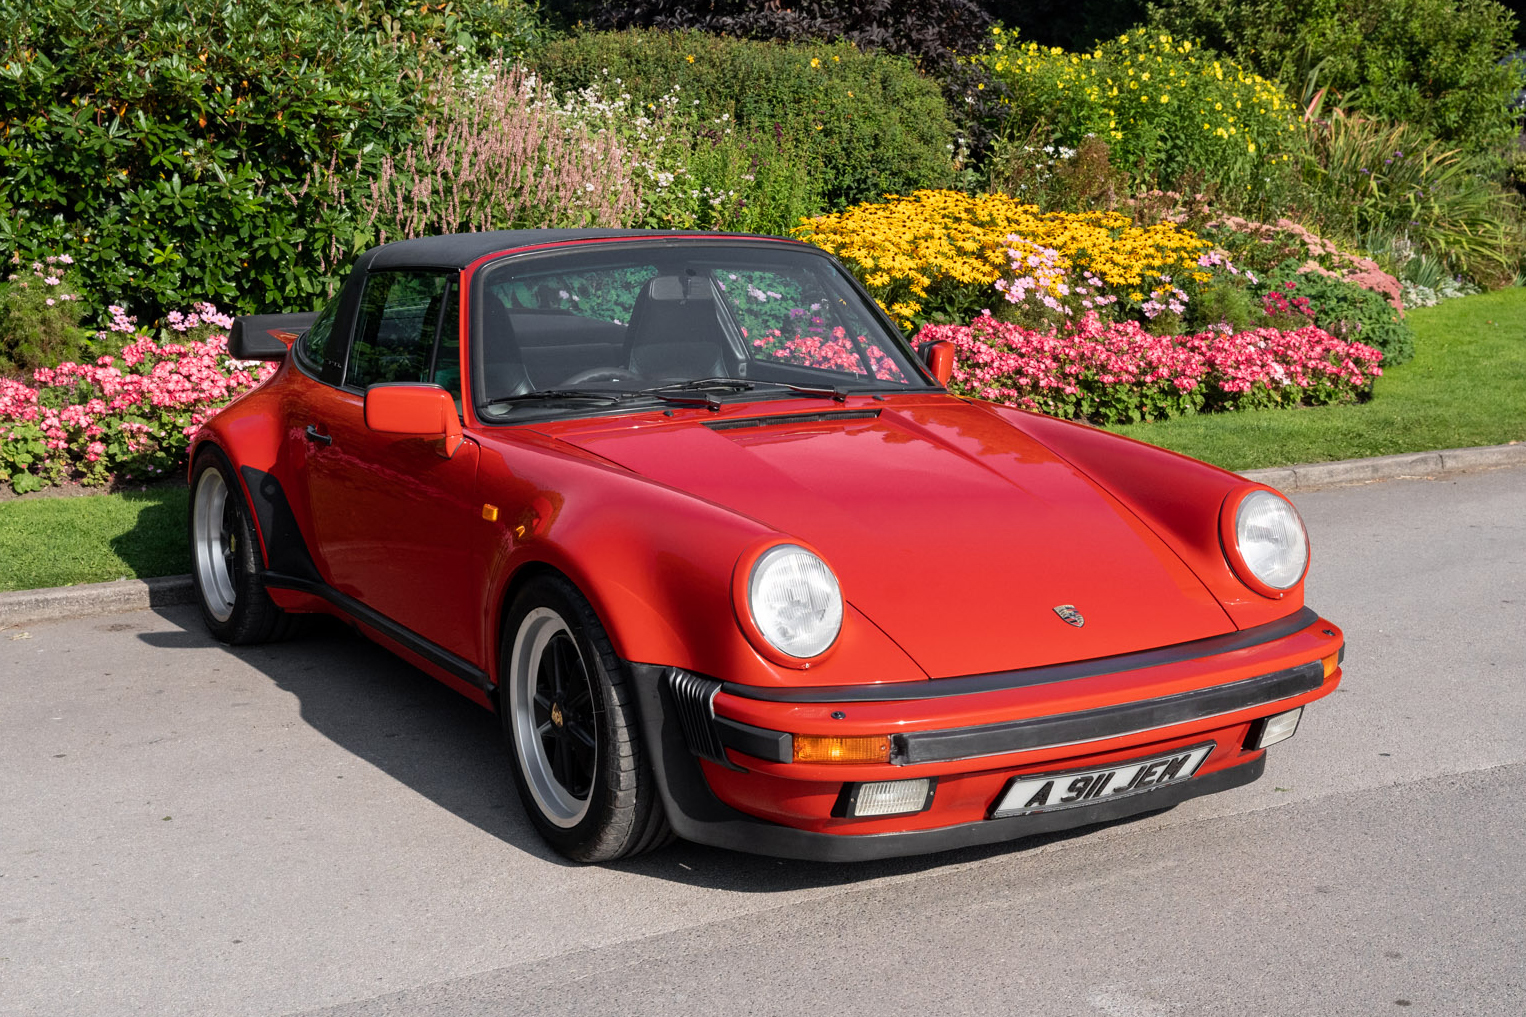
(1271, 539)
(795, 601)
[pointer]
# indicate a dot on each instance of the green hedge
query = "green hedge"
(1432, 63)
(163, 145)
(872, 124)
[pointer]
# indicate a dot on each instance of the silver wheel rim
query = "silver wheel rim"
(543, 723)
(214, 543)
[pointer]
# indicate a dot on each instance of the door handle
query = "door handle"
(313, 435)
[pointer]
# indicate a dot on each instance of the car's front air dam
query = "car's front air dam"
(723, 759)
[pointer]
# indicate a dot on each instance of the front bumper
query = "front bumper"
(723, 758)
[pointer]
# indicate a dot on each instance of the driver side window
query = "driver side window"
(398, 327)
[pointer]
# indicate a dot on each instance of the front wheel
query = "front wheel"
(225, 559)
(569, 716)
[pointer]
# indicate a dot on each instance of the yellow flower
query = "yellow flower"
(815, 61)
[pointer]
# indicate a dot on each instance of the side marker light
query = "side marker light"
(490, 513)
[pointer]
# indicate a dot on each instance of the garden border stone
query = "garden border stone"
(1313, 476)
(28, 607)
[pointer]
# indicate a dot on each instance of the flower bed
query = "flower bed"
(937, 255)
(130, 415)
(1116, 372)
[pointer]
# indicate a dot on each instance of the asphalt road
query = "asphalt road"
(316, 828)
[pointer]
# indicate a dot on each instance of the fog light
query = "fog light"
(831, 749)
(889, 797)
(1276, 729)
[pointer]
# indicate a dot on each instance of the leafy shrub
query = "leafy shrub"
(1167, 109)
(1266, 246)
(494, 157)
(870, 124)
(933, 34)
(1110, 373)
(938, 255)
(131, 415)
(697, 172)
(1433, 63)
(1365, 177)
(157, 141)
(1055, 177)
(1346, 310)
(39, 316)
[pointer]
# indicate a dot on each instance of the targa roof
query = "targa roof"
(457, 250)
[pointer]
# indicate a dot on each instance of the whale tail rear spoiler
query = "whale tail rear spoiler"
(267, 336)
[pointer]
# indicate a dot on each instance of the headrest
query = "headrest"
(667, 288)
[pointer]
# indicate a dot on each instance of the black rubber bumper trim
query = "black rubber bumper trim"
(697, 815)
(1106, 722)
(939, 688)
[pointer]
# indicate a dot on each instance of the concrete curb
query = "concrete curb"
(28, 607)
(1313, 476)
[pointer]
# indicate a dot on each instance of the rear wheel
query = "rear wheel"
(225, 559)
(568, 713)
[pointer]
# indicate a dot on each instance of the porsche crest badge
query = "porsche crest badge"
(1068, 613)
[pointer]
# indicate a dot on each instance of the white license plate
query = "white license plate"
(1051, 791)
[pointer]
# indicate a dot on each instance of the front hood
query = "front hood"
(949, 528)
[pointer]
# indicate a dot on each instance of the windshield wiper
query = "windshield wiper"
(821, 392)
(701, 384)
(560, 394)
(740, 385)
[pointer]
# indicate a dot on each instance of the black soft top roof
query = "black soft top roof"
(457, 250)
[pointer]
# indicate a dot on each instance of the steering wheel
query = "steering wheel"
(602, 374)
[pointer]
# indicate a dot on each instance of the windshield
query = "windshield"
(690, 322)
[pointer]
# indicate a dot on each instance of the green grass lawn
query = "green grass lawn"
(1466, 386)
(93, 538)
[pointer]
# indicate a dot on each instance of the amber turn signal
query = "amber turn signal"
(1331, 663)
(834, 749)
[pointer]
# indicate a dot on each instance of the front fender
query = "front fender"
(656, 564)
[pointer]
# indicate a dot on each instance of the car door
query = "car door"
(397, 523)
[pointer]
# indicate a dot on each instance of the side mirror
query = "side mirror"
(409, 407)
(939, 358)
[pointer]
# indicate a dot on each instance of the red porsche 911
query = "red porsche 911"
(731, 563)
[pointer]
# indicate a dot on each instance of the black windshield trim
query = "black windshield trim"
(630, 242)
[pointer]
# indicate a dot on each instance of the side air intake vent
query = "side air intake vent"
(693, 696)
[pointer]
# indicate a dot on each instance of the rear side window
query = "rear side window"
(314, 348)
(397, 328)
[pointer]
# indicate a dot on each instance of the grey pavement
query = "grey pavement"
(315, 827)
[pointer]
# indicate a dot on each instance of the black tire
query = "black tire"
(226, 561)
(561, 686)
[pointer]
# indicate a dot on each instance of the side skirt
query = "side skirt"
(398, 633)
